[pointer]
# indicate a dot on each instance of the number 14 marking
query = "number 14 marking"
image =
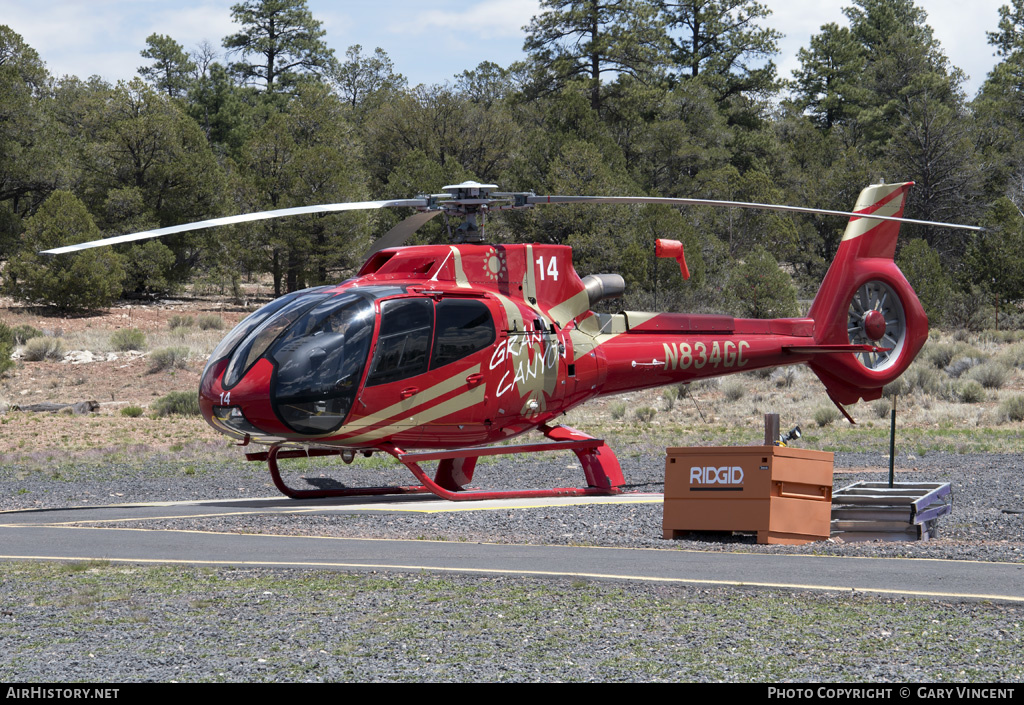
(552, 270)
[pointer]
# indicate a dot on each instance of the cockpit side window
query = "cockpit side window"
(403, 344)
(464, 326)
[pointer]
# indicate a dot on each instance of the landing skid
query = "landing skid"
(455, 469)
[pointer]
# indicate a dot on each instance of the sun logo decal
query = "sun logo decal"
(495, 265)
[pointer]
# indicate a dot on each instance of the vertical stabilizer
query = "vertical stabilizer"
(865, 299)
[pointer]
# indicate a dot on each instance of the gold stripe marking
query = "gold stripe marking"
(459, 403)
(427, 395)
(873, 195)
(461, 280)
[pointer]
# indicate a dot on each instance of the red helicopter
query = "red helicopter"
(432, 352)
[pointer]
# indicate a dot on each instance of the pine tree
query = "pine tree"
(721, 41)
(172, 70)
(359, 78)
(829, 82)
(589, 39)
(283, 41)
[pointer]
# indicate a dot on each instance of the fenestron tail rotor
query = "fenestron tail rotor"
(876, 317)
(470, 201)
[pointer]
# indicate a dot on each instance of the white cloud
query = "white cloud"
(483, 20)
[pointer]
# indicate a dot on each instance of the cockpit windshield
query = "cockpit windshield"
(260, 337)
(319, 361)
(249, 324)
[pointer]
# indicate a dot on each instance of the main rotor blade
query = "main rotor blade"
(401, 232)
(539, 200)
(234, 219)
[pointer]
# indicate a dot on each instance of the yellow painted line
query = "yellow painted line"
(79, 507)
(81, 522)
(461, 506)
(535, 545)
(539, 573)
(436, 507)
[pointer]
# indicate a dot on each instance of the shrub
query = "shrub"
(177, 404)
(210, 321)
(128, 339)
(761, 289)
(181, 322)
(707, 384)
(6, 347)
(961, 365)
(734, 391)
(785, 377)
(825, 415)
(1012, 409)
(645, 414)
(149, 268)
(618, 411)
(940, 354)
(39, 349)
(132, 411)
(991, 375)
(971, 392)
(922, 267)
(898, 386)
(1001, 336)
(669, 395)
(168, 358)
(24, 333)
(881, 408)
(1013, 355)
(925, 379)
(77, 280)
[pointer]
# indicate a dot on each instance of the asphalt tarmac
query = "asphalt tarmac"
(113, 533)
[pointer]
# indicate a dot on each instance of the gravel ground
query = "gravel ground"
(116, 623)
(987, 521)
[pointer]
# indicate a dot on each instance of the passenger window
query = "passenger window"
(463, 327)
(403, 345)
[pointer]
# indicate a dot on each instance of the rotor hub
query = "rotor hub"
(876, 317)
(873, 325)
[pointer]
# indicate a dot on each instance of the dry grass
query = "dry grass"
(200, 343)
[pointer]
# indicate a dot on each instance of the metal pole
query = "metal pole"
(771, 429)
(892, 441)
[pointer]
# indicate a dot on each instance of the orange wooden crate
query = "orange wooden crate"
(782, 494)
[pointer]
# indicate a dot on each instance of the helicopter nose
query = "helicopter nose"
(245, 408)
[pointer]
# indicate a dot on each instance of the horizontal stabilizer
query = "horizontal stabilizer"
(837, 348)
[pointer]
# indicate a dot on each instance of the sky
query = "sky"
(428, 42)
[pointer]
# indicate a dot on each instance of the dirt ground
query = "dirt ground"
(116, 381)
